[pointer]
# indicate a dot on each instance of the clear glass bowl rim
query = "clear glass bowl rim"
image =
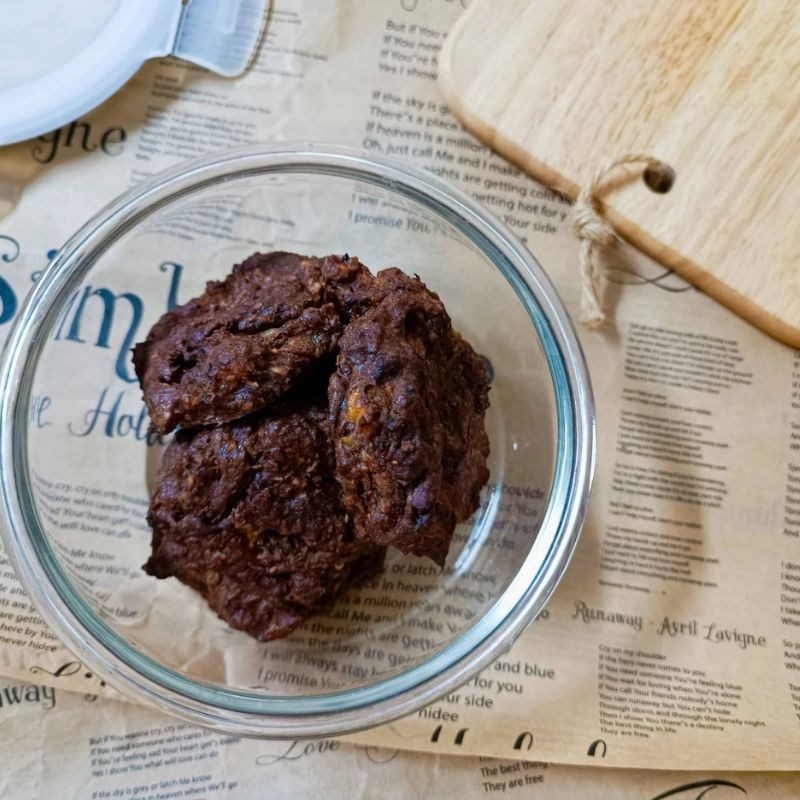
(234, 710)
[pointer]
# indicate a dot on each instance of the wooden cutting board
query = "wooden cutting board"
(712, 88)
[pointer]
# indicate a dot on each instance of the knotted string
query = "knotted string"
(595, 232)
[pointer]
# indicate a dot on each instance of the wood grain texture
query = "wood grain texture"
(712, 88)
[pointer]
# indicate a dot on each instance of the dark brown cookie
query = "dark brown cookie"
(250, 516)
(238, 346)
(407, 405)
(351, 285)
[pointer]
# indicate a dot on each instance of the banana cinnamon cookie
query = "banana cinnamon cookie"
(407, 405)
(238, 346)
(250, 515)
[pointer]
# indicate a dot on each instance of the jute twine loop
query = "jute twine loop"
(595, 232)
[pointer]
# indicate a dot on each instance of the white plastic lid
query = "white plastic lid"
(61, 58)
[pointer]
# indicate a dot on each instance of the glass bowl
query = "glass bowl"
(79, 458)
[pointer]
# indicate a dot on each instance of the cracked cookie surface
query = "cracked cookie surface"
(407, 405)
(250, 515)
(238, 346)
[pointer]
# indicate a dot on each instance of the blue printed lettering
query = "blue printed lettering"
(39, 404)
(9, 252)
(111, 420)
(174, 281)
(103, 339)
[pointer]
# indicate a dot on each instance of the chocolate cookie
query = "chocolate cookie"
(238, 346)
(350, 285)
(407, 405)
(250, 516)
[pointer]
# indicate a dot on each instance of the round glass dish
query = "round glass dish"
(78, 460)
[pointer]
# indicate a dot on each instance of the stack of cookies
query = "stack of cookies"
(322, 413)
